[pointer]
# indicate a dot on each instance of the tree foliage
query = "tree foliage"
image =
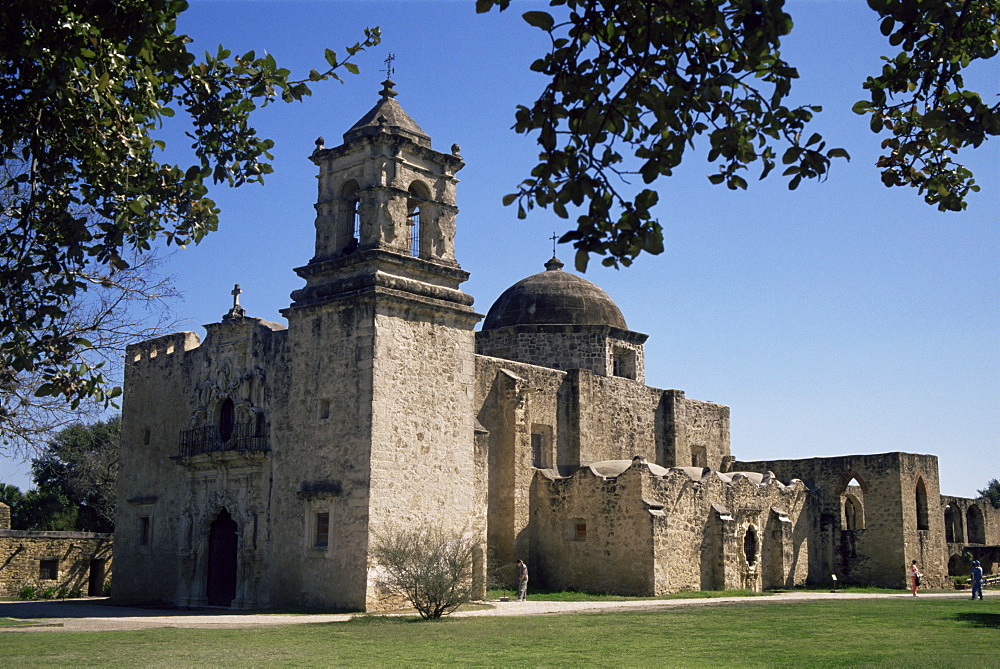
(87, 85)
(39, 510)
(81, 464)
(429, 567)
(920, 98)
(992, 493)
(635, 85)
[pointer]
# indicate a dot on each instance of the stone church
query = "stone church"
(258, 464)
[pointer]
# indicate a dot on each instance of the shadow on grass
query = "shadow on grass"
(980, 619)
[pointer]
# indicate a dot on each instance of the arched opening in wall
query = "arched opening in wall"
(955, 565)
(352, 216)
(949, 525)
(750, 546)
(852, 503)
(854, 513)
(227, 419)
(222, 553)
(975, 524)
(923, 522)
(419, 194)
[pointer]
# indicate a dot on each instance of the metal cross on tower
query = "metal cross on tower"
(388, 65)
(554, 237)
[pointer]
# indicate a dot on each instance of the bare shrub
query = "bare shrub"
(431, 567)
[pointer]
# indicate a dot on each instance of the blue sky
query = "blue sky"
(843, 317)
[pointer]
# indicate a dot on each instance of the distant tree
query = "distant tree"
(429, 567)
(632, 84)
(81, 466)
(86, 87)
(992, 493)
(46, 511)
(12, 496)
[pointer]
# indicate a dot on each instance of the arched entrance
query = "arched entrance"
(222, 543)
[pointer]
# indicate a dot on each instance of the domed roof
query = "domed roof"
(554, 297)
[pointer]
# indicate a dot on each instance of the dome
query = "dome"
(553, 297)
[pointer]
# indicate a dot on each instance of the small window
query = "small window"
(48, 570)
(536, 449)
(541, 445)
(144, 530)
(699, 456)
(227, 419)
(355, 218)
(414, 219)
(322, 534)
(324, 409)
(750, 546)
(623, 363)
(580, 533)
(146, 436)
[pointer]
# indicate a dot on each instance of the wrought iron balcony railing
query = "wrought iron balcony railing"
(243, 437)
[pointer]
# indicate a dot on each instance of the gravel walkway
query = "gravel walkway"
(87, 615)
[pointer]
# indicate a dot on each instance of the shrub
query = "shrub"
(28, 592)
(76, 593)
(430, 567)
(50, 592)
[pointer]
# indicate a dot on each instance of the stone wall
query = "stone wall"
(898, 519)
(513, 401)
(566, 347)
(178, 474)
(76, 561)
(636, 528)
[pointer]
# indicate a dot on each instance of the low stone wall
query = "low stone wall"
(78, 561)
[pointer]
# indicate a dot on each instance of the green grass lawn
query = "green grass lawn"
(574, 596)
(932, 632)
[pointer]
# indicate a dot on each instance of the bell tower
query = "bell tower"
(381, 358)
(385, 188)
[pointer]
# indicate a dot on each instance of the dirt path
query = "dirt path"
(87, 615)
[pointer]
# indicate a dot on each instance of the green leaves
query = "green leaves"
(85, 85)
(633, 88)
(541, 20)
(919, 100)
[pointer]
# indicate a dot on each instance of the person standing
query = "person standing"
(915, 576)
(977, 579)
(522, 581)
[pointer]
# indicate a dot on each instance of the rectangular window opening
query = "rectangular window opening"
(541, 446)
(48, 570)
(623, 363)
(322, 535)
(144, 530)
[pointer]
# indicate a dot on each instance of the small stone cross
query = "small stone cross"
(237, 311)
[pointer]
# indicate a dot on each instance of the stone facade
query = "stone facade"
(683, 528)
(258, 464)
(76, 562)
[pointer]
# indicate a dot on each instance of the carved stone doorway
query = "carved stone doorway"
(222, 544)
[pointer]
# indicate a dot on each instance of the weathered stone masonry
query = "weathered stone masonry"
(258, 465)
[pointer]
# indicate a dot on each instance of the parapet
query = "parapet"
(160, 347)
